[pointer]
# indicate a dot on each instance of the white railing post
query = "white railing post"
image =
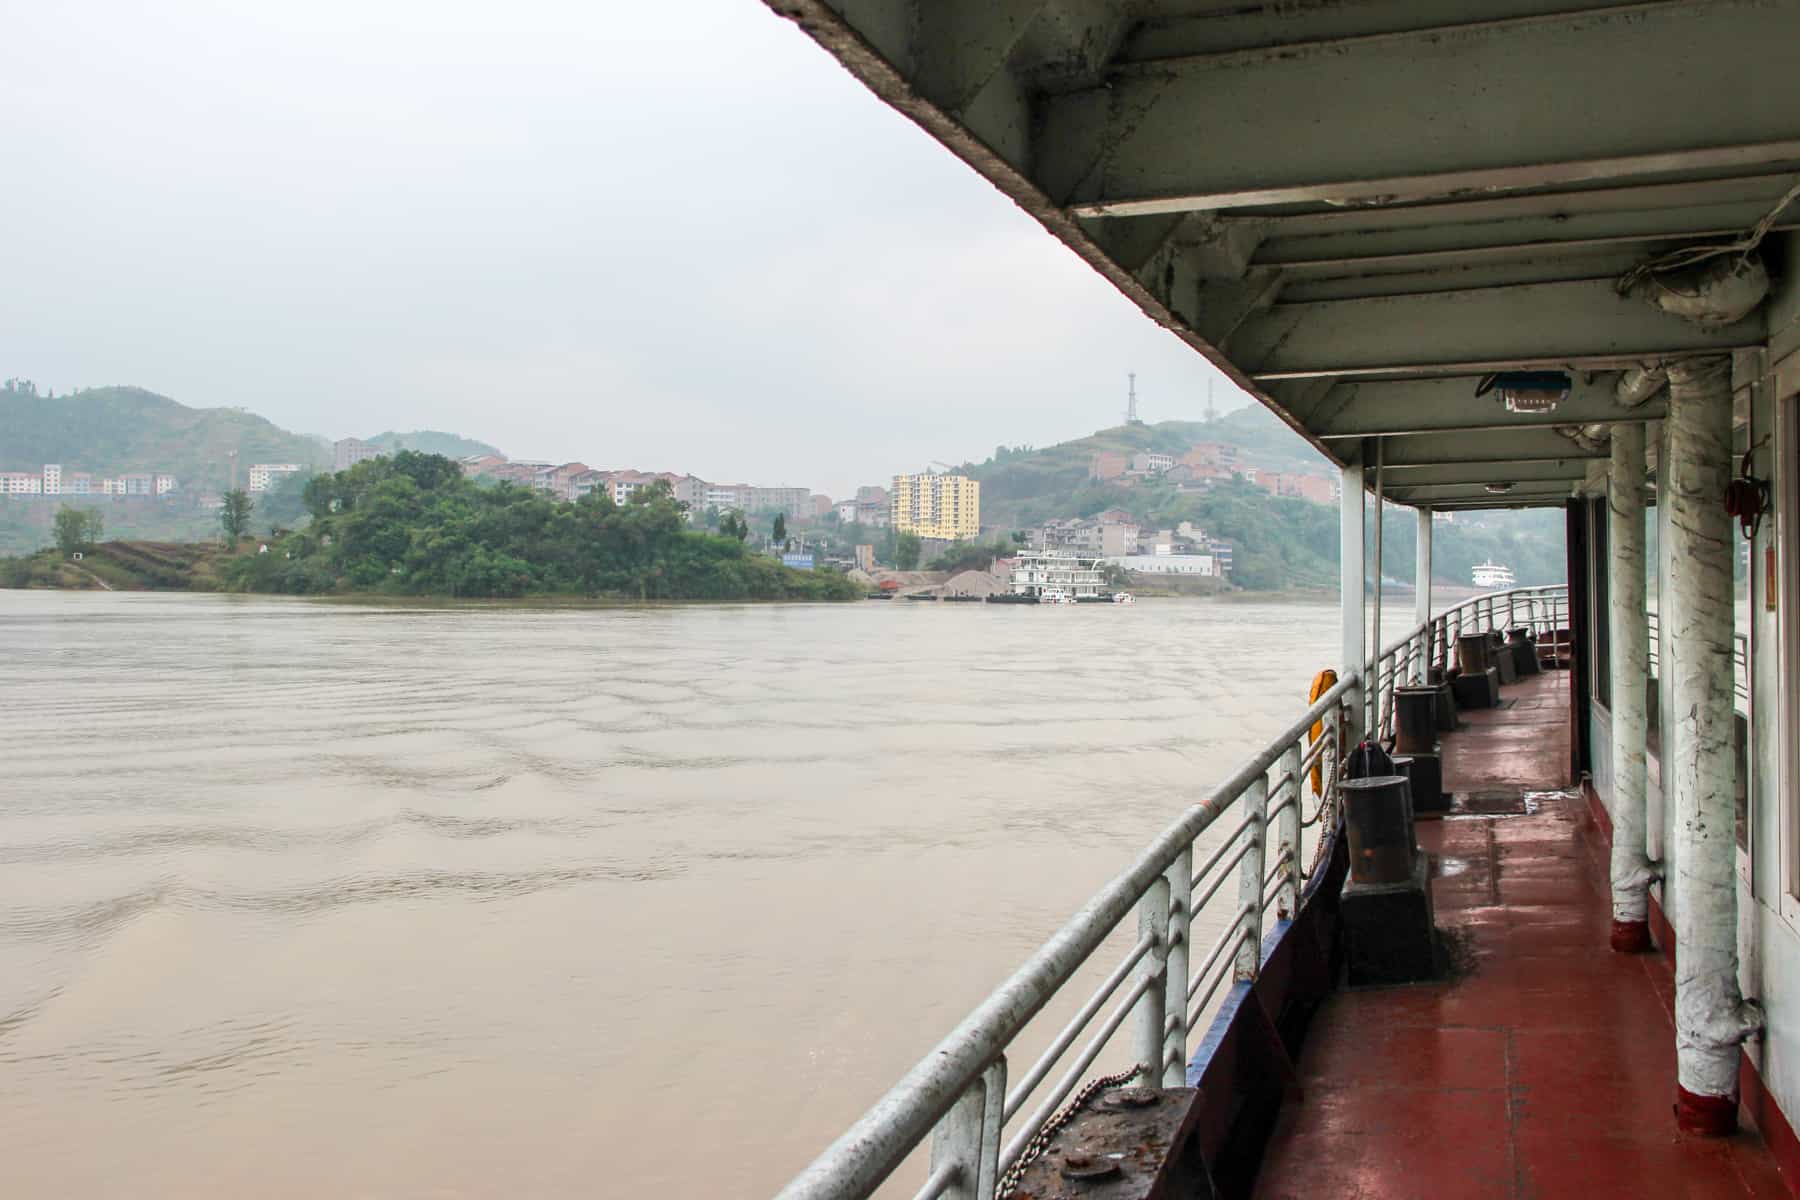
(967, 1140)
(1287, 834)
(1180, 879)
(1250, 879)
(1509, 610)
(1148, 1016)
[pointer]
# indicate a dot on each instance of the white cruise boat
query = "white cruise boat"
(1053, 577)
(1491, 574)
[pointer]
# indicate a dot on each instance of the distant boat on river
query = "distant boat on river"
(1491, 574)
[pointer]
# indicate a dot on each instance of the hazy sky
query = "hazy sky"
(669, 237)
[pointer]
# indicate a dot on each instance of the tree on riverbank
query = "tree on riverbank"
(77, 529)
(411, 524)
(234, 515)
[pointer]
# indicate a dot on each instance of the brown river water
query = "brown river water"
(309, 899)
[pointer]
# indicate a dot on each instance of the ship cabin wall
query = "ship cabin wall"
(1766, 383)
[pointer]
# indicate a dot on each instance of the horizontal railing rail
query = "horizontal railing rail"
(1740, 662)
(983, 1125)
(1542, 610)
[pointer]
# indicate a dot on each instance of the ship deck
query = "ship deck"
(1545, 1065)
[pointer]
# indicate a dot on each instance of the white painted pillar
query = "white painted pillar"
(1422, 589)
(1711, 1017)
(1350, 592)
(1374, 648)
(1629, 638)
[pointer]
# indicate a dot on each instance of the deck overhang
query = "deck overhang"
(1358, 209)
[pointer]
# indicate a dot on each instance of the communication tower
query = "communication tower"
(1131, 417)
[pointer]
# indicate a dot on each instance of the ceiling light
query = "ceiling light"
(1527, 391)
(1497, 489)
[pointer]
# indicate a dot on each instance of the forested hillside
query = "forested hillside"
(412, 524)
(1022, 485)
(121, 430)
(110, 430)
(1279, 542)
(431, 441)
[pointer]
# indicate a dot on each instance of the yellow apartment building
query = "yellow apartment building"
(937, 506)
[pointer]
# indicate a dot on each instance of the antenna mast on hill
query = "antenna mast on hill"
(1212, 413)
(1131, 417)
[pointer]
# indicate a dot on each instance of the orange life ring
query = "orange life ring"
(1323, 682)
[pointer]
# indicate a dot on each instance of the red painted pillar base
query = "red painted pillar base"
(1705, 1116)
(1631, 937)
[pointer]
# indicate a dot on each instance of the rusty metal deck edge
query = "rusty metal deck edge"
(1243, 1068)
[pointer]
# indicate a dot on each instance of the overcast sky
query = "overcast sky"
(601, 231)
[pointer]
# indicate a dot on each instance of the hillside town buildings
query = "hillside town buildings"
(347, 452)
(1315, 488)
(52, 480)
(264, 476)
(1204, 466)
(573, 480)
(943, 507)
(1115, 537)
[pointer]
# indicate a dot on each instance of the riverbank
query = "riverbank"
(207, 567)
(123, 566)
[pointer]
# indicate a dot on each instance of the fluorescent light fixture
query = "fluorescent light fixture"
(1527, 391)
(1497, 489)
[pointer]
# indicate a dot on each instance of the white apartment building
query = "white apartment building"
(165, 484)
(53, 481)
(265, 475)
(21, 483)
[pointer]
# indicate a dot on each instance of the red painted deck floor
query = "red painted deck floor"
(1546, 1066)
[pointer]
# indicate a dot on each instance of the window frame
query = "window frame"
(1600, 600)
(1786, 526)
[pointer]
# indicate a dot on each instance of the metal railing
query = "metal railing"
(1740, 662)
(981, 1122)
(1541, 609)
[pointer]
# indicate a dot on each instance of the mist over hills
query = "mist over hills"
(431, 441)
(116, 430)
(107, 431)
(112, 430)
(1280, 541)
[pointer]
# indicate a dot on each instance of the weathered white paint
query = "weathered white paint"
(1711, 1017)
(1422, 586)
(1372, 651)
(1350, 584)
(1629, 633)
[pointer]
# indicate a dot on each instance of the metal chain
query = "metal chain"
(1040, 1141)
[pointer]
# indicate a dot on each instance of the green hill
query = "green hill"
(111, 430)
(431, 441)
(120, 430)
(1023, 486)
(1278, 542)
